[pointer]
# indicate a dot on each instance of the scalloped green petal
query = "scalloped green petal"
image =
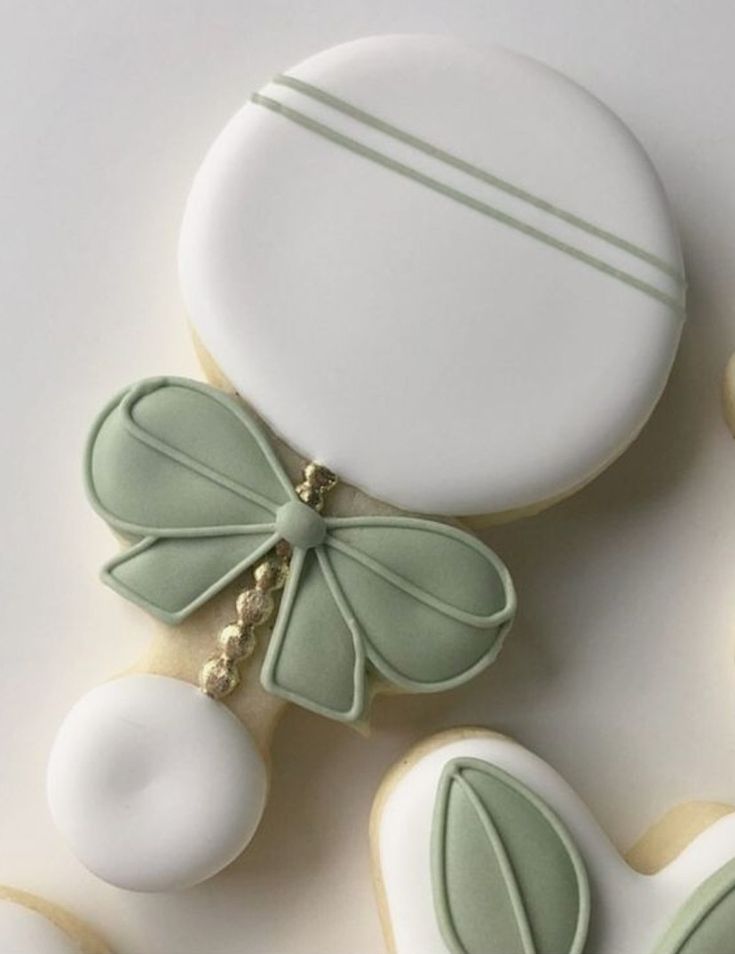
(706, 922)
(507, 876)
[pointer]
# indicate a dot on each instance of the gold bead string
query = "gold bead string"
(254, 606)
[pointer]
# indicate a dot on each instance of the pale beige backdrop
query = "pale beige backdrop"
(621, 667)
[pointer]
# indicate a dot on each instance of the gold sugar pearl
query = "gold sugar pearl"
(218, 677)
(254, 606)
(319, 476)
(317, 482)
(271, 573)
(236, 641)
(311, 496)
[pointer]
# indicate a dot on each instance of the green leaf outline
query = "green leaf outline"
(452, 775)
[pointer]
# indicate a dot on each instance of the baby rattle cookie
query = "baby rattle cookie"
(422, 289)
(481, 848)
(31, 925)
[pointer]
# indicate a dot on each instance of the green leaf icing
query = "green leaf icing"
(507, 877)
(706, 922)
(184, 473)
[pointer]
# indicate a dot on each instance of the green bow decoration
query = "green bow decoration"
(182, 471)
(508, 878)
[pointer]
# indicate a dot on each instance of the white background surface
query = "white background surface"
(621, 669)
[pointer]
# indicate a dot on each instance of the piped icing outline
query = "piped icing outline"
(395, 555)
(695, 914)
(685, 907)
(673, 299)
(454, 775)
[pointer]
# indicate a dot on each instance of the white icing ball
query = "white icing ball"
(154, 785)
(426, 317)
(23, 931)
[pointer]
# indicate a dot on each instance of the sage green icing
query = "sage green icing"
(706, 922)
(359, 148)
(181, 468)
(506, 875)
(375, 122)
(422, 605)
(188, 477)
(316, 657)
(171, 576)
(301, 525)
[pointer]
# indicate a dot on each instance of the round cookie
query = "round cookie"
(450, 275)
(137, 766)
(31, 925)
(481, 848)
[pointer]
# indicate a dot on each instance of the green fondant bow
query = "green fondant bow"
(185, 473)
(508, 878)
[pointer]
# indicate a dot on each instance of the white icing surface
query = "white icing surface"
(154, 785)
(23, 931)
(433, 356)
(630, 911)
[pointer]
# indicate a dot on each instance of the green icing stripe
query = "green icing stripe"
(328, 99)
(463, 198)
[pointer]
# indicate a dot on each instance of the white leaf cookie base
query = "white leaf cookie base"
(23, 931)
(155, 786)
(630, 911)
(436, 358)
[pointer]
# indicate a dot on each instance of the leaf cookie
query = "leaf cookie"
(507, 876)
(481, 848)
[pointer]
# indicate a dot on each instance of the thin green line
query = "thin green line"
(472, 170)
(510, 880)
(461, 197)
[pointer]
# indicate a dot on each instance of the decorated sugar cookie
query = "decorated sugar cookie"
(155, 783)
(416, 300)
(481, 848)
(31, 925)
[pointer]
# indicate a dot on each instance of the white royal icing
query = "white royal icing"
(431, 354)
(154, 785)
(23, 931)
(630, 911)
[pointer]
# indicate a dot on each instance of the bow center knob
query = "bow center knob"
(300, 525)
